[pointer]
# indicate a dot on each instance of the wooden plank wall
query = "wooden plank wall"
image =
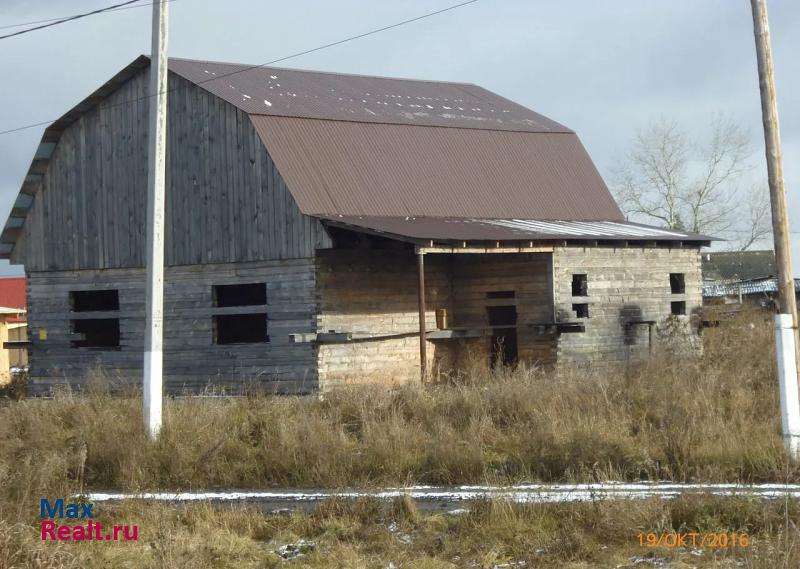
(528, 275)
(226, 201)
(625, 284)
(191, 360)
(376, 292)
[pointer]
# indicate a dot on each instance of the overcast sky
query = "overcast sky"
(602, 68)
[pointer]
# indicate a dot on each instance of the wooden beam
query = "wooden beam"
(423, 351)
(481, 250)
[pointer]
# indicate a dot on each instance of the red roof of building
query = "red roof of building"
(12, 295)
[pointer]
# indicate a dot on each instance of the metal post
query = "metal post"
(786, 321)
(154, 326)
(423, 351)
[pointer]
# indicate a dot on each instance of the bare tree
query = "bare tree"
(669, 180)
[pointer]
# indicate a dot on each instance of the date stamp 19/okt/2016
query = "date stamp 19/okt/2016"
(712, 539)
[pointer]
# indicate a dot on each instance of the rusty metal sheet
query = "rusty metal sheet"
(335, 96)
(349, 168)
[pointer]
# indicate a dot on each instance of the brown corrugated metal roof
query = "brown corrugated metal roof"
(466, 229)
(348, 168)
(350, 145)
(334, 96)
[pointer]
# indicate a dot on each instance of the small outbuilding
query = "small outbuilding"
(325, 229)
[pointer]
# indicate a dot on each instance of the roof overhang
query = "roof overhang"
(488, 234)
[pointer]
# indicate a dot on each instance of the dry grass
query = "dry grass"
(676, 418)
(368, 534)
(713, 419)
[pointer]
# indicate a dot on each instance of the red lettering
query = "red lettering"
(48, 528)
(97, 528)
(134, 534)
(117, 529)
(64, 533)
(78, 533)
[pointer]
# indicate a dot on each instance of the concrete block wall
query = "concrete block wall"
(626, 284)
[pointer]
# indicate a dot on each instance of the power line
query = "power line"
(19, 25)
(69, 19)
(147, 4)
(284, 58)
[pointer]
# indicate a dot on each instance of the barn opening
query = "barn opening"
(580, 284)
(677, 283)
(249, 294)
(91, 332)
(94, 300)
(678, 307)
(504, 340)
(96, 333)
(240, 327)
(581, 309)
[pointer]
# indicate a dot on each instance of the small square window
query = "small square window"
(677, 283)
(581, 310)
(580, 285)
(678, 308)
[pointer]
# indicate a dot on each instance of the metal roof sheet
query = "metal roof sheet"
(348, 168)
(337, 96)
(471, 229)
(761, 286)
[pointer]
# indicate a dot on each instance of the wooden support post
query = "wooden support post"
(423, 348)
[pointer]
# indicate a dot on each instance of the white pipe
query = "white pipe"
(787, 378)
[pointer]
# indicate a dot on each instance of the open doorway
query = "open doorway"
(504, 340)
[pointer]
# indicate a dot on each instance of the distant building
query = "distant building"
(745, 278)
(731, 266)
(13, 325)
(311, 219)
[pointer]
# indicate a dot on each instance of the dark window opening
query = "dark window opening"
(504, 349)
(240, 294)
(96, 332)
(677, 283)
(500, 294)
(94, 300)
(581, 310)
(240, 329)
(678, 307)
(580, 285)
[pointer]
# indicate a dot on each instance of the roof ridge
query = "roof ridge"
(253, 66)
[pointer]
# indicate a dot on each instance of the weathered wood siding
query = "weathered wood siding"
(376, 292)
(226, 201)
(625, 284)
(528, 276)
(191, 359)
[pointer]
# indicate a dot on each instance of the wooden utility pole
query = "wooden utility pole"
(157, 165)
(786, 320)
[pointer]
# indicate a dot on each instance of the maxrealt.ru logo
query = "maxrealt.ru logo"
(88, 531)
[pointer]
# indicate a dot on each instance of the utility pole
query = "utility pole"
(786, 320)
(157, 165)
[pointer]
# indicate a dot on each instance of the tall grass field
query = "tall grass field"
(675, 417)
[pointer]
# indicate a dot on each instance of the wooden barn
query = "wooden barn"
(313, 218)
